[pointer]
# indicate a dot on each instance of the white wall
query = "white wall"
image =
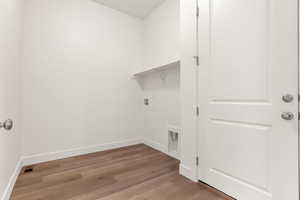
(10, 40)
(161, 46)
(76, 82)
(161, 34)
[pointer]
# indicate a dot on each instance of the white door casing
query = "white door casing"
(248, 60)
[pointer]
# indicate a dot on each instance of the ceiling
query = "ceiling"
(137, 8)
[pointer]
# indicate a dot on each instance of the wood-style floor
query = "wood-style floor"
(132, 173)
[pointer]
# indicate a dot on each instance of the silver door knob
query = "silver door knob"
(287, 98)
(287, 116)
(7, 125)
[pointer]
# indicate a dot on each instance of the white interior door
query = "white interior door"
(248, 60)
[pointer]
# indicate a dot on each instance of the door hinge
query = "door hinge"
(298, 97)
(197, 60)
(197, 111)
(197, 12)
(197, 161)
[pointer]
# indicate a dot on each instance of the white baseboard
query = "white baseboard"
(187, 172)
(183, 170)
(44, 157)
(155, 145)
(12, 181)
(160, 147)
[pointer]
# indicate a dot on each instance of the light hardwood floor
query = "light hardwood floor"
(132, 173)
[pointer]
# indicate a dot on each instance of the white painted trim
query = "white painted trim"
(155, 145)
(160, 147)
(44, 157)
(9, 188)
(187, 172)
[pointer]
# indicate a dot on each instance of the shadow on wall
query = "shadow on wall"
(162, 89)
(157, 80)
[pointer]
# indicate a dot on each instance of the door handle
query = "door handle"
(7, 125)
(287, 116)
(287, 98)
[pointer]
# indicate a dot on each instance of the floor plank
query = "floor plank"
(131, 173)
